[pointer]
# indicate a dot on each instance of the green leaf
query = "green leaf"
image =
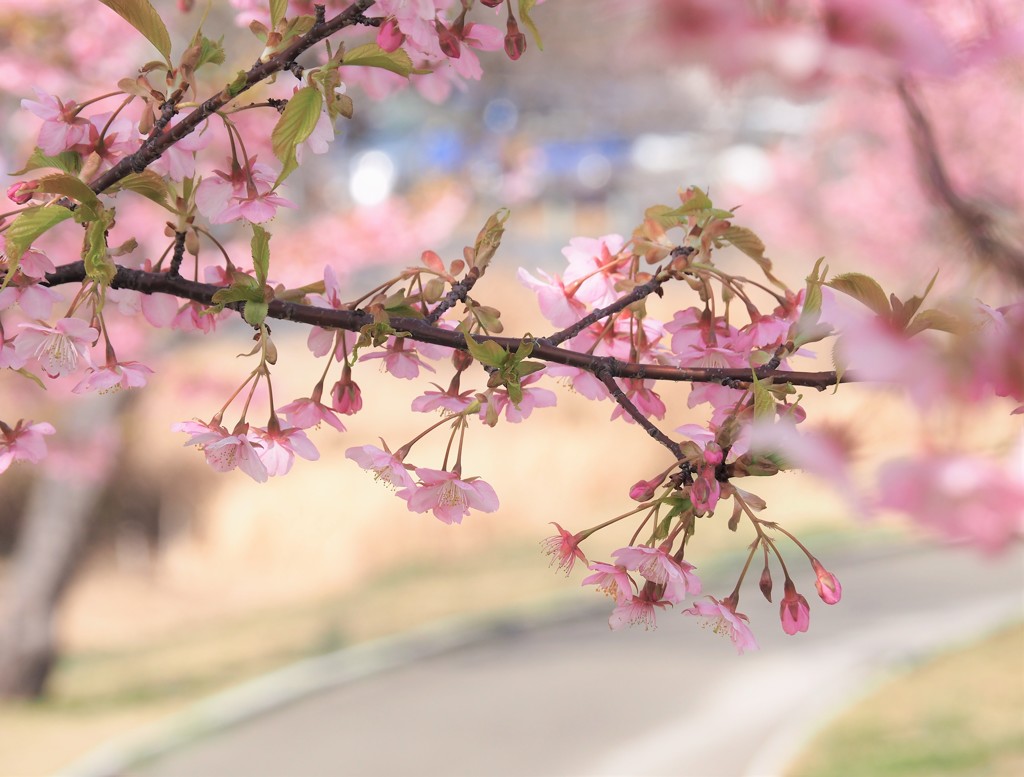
(698, 201)
(807, 329)
(237, 86)
(764, 402)
(144, 18)
(260, 253)
(864, 289)
(525, 6)
(255, 313)
(931, 318)
(488, 353)
(749, 243)
(489, 238)
(372, 55)
(295, 125)
(277, 11)
(149, 184)
(71, 187)
(28, 226)
(68, 161)
(528, 368)
(211, 52)
(99, 267)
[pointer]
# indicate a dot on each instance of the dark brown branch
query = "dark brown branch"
(422, 331)
(604, 374)
(458, 293)
(157, 143)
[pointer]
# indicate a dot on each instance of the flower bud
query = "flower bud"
(389, 37)
(765, 584)
(21, 192)
(346, 397)
(515, 41)
(492, 3)
(827, 584)
(448, 41)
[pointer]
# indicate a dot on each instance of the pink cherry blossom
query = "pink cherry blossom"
(385, 467)
(280, 447)
(448, 496)
(442, 400)
(114, 377)
(62, 128)
(722, 618)
(34, 299)
(705, 491)
(794, 610)
(224, 451)
(240, 194)
(564, 549)
(346, 396)
(657, 566)
(580, 381)
(57, 348)
(533, 397)
(612, 580)
(593, 268)
(647, 401)
(307, 413)
(636, 611)
(23, 443)
(827, 584)
(400, 359)
(557, 304)
(179, 160)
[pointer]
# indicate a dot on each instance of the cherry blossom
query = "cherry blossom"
(722, 618)
(385, 467)
(240, 194)
(346, 396)
(280, 447)
(62, 128)
(559, 305)
(114, 376)
(309, 412)
(657, 566)
(57, 348)
(442, 400)
(612, 580)
(593, 268)
(23, 443)
(533, 397)
(400, 359)
(224, 451)
(448, 496)
(636, 611)
(564, 549)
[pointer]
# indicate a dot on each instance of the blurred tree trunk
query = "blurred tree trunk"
(50, 546)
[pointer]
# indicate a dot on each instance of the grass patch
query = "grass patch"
(960, 714)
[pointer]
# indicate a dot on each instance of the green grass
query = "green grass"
(960, 714)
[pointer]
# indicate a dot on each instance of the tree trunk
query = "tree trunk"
(50, 546)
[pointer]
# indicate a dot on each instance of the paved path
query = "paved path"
(571, 698)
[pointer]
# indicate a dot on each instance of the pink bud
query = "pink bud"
(448, 41)
(827, 584)
(21, 192)
(794, 610)
(389, 37)
(765, 584)
(515, 41)
(713, 454)
(346, 397)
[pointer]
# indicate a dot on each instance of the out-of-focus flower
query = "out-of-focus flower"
(23, 443)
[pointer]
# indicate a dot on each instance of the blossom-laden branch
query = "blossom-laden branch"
(424, 332)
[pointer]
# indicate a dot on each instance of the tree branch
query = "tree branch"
(425, 332)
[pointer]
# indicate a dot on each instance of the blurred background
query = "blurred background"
(171, 582)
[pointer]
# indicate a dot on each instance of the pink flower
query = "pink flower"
(429, 401)
(114, 377)
(564, 549)
(593, 268)
(307, 412)
(57, 348)
(242, 194)
(794, 610)
(33, 298)
(449, 496)
(383, 464)
(657, 566)
(611, 580)
(827, 584)
(399, 360)
(723, 619)
(224, 452)
(643, 490)
(281, 446)
(23, 443)
(179, 161)
(557, 304)
(389, 37)
(62, 128)
(637, 611)
(533, 397)
(705, 491)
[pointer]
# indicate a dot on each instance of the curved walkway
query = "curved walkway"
(566, 697)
